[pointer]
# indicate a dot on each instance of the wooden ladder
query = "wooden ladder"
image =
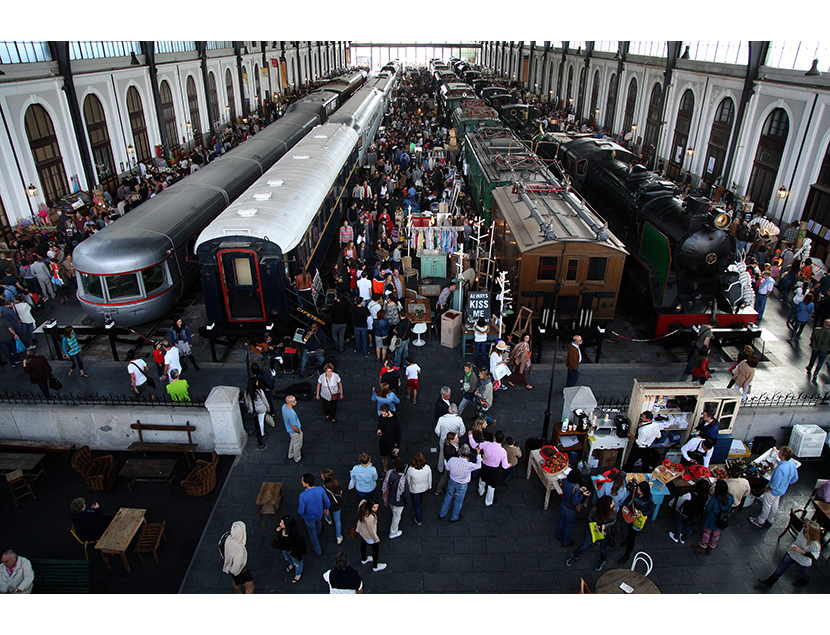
(486, 272)
(522, 324)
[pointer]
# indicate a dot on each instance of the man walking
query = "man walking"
(573, 361)
(314, 504)
(765, 287)
(460, 468)
(171, 360)
(293, 428)
(820, 343)
(360, 315)
(447, 423)
(784, 474)
(395, 493)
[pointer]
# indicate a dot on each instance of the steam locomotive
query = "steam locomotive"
(683, 247)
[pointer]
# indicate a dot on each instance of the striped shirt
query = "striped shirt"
(346, 234)
(813, 550)
(460, 468)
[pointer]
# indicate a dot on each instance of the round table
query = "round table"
(610, 582)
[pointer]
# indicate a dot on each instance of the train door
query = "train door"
(241, 285)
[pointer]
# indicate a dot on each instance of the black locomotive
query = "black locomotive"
(682, 245)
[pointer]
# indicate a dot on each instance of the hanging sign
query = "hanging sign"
(478, 305)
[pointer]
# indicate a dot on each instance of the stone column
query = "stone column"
(223, 405)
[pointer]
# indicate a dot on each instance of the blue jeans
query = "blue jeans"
(740, 247)
(338, 334)
(455, 496)
(479, 352)
(416, 503)
(682, 529)
(509, 473)
(603, 546)
(365, 496)
(314, 529)
(77, 361)
(321, 357)
(566, 525)
(361, 340)
(465, 401)
(799, 327)
(760, 304)
(402, 352)
(10, 349)
(785, 564)
(690, 363)
(335, 516)
(816, 355)
(298, 564)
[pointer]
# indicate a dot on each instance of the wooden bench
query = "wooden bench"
(141, 445)
(61, 576)
(33, 445)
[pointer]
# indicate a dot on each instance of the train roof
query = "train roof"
(283, 202)
(559, 216)
(146, 236)
(503, 157)
(360, 105)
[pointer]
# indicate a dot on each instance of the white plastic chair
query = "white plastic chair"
(644, 557)
(419, 329)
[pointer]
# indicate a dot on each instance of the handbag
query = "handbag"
(54, 383)
(184, 347)
(269, 419)
(353, 531)
(628, 514)
(334, 395)
(396, 341)
(19, 345)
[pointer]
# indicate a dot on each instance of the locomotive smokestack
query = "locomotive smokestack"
(696, 206)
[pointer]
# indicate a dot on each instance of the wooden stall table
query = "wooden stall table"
(822, 514)
(427, 317)
(269, 499)
(28, 462)
(148, 470)
(119, 534)
(549, 481)
(610, 582)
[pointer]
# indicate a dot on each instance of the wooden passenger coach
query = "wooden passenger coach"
(558, 253)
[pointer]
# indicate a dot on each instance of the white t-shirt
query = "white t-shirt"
(171, 360)
(412, 371)
(24, 312)
(140, 378)
(364, 287)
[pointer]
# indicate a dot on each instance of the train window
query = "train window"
(242, 274)
(153, 278)
(582, 168)
(596, 269)
(573, 268)
(92, 286)
(122, 286)
(548, 267)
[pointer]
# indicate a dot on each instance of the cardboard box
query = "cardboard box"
(451, 329)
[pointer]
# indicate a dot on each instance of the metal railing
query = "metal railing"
(95, 399)
(762, 400)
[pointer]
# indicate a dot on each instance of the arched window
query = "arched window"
(653, 120)
(817, 207)
(569, 96)
(138, 126)
(231, 100)
(168, 114)
(193, 107)
(681, 133)
(630, 103)
(99, 141)
(768, 158)
(214, 99)
(47, 153)
(719, 139)
(611, 103)
(592, 113)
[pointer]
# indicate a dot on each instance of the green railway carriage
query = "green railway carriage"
(473, 115)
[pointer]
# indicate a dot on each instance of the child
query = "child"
(412, 373)
(514, 453)
(700, 372)
(71, 350)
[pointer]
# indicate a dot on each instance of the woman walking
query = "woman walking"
(803, 552)
(363, 477)
(717, 518)
(236, 559)
(601, 518)
(329, 392)
(744, 374)
(419, 481)
(179, 337)
(520, 362)
(384, 395)
(257, 403)
(367, 527)
(292, 545)
(574, 495)
(450, 449)
(480, 331)
(332, 488)
(382, 330)
(72, 350)
(639, 505)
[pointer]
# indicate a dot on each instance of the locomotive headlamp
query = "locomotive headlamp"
(722, 221)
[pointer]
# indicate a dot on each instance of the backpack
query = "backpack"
(221, 545)
(723, 518)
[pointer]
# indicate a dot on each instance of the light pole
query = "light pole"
(32, 192)
(130, 157)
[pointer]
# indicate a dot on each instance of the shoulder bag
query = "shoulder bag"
(334, 395)
(54, 383)
(150, 380)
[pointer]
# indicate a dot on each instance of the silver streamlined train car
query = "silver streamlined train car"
(288, 217)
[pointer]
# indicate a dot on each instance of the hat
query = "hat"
(622, 474)
(501, 345)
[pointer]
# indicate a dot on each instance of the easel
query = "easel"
(522, 325)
